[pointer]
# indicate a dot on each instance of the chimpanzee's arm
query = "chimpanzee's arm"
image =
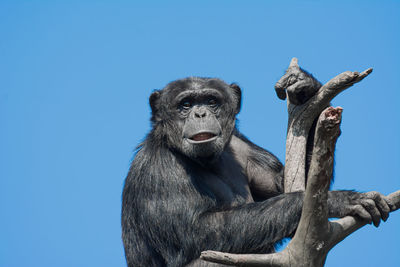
(263, 170)
(265, 176)
(253, 227)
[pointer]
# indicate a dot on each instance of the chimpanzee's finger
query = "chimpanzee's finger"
(359, 210)
(380, 203)
(370, 206)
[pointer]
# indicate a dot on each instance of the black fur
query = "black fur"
(182, 197)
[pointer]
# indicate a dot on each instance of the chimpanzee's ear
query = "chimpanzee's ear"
(238, 95)
(154, 101)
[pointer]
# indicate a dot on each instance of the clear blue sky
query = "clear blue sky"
(75, 77)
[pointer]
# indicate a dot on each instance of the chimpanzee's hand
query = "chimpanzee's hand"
(299, 84)
(371, 206)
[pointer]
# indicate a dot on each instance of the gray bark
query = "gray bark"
(315, 235)
(300, 121)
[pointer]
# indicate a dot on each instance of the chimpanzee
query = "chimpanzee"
(197, 183)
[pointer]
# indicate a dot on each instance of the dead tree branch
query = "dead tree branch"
(315, 235)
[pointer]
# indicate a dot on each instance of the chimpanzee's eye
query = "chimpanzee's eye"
(212, 102)
(186, 104)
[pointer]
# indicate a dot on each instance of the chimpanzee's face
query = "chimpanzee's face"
(197, 115)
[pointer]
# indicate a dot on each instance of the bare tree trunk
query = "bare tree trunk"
(315, 235)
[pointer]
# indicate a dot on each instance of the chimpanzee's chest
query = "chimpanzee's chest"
(227, 183)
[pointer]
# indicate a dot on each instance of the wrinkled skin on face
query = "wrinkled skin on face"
(198, 115)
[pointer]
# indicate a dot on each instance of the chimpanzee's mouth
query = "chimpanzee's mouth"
(203, 137)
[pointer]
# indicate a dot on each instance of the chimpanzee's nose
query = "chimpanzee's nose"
(200, 113)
